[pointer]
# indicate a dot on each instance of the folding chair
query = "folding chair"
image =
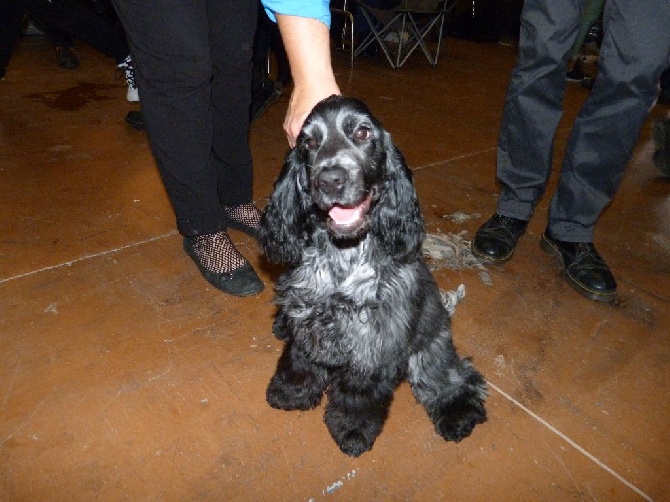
(403, 29)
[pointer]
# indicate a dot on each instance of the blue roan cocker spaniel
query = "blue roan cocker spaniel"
(357, 306)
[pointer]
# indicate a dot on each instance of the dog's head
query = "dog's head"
(346, 175)
(342, 147)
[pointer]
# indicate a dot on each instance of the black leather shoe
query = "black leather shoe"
(240, 282)
(66, 58)
(496, 239)
(135, 119)
(586, 271)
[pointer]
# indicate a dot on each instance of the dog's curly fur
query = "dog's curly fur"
(357, 306)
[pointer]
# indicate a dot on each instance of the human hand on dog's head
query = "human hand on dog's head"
(307, 43)
(301, 104)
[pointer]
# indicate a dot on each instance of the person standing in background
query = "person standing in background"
(194, 70)
(634, 52)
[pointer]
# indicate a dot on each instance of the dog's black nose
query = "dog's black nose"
(331, 180)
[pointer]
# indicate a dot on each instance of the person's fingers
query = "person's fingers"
(300, 106)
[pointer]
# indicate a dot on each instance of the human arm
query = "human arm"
(304, 30)
(307, 43)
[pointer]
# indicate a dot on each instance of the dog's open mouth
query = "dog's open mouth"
(348, 220)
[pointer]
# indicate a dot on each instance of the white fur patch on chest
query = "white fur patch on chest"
(342, 306)
(348, 272)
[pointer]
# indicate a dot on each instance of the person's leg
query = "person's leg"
(63, 44)
(170, 44)
(533, 108)
(232, 26)
(74, 19)
(533, 105)
(11, 23)
(57, 37)
(189, 78)
(234, 23)
(634, 52)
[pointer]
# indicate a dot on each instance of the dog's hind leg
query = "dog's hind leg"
(298, 384)
(450, 389)
(356, 411)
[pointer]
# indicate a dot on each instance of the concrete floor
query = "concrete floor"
(124, 375)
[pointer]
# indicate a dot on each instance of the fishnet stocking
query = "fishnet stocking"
(217, 253)
(246, 214)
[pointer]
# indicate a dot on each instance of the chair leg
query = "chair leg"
(377, 35)
(418, 39)
(420, 35)
(411, 35)
(401, 36)
(348, 18)
(439, 40)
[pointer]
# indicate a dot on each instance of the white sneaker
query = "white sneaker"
(127, 66)
(133, 95)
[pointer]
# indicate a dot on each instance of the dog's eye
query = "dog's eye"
(362, 133)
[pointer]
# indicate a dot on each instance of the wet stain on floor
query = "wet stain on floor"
(74, 98)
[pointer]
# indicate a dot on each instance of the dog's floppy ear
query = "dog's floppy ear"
(397, 220)
(282, 231)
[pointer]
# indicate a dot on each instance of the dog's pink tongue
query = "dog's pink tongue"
(343, 215)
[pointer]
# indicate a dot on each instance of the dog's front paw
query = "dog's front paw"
(457, 420)
(354, 443)
(354, 434)
(297, 393)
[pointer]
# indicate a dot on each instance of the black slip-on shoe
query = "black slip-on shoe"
(241, 221)
(585, 269)
(240, 282)
(496, 239)
(243, 227)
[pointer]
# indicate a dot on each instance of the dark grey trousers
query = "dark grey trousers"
(193, 68)
(635, 51)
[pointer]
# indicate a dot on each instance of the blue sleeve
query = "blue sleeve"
(316, 9)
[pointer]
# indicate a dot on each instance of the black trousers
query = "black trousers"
(193, 69)
(634, 52)
(12, 13)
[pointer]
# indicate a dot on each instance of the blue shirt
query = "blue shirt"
(316, 9)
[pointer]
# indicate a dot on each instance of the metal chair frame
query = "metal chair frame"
(348, 18)
(404, 20)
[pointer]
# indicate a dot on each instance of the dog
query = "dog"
(357, 307)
